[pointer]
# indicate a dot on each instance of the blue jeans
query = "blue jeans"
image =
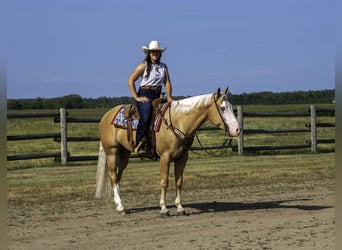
(145, 112)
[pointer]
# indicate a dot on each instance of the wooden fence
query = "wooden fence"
(309, 128)
(63, 119)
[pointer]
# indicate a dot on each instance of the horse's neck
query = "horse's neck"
(188, 117)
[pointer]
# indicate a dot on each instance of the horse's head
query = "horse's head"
(222, 113)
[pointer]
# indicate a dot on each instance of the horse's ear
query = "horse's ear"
(218, 92)
(226, 91)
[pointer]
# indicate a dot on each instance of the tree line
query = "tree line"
(75, 101)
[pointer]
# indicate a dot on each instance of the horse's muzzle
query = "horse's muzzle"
(233, 133)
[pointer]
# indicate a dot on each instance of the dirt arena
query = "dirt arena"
(278, 216)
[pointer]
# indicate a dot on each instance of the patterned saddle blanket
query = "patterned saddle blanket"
(129, 113)
(120, 120)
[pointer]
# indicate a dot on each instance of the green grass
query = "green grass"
(37, 185)
(207, 138)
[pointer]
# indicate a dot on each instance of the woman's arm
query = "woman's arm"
(137, 72)
(168, 86)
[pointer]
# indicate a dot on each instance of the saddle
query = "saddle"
(128, 118)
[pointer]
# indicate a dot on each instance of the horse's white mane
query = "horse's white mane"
(188, 104)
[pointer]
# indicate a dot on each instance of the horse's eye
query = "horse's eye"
(223, 109)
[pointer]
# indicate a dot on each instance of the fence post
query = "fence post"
(240, 120)
(63, 125)
(313, 129)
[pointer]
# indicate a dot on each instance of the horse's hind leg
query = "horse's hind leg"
(179, 170)
(116, 166)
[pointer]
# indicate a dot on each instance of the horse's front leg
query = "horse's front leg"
(164, 183)
(179, 170)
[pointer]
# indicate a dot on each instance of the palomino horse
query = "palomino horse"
(173, 141)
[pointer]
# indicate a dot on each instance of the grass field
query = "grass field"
(38, 185)
(46, 125)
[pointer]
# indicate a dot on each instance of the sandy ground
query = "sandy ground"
(280, 216)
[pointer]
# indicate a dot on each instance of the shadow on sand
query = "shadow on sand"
(208, 207)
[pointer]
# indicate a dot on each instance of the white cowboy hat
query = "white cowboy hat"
(154, 45)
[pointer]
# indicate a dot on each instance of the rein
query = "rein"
(219, 152)
(184, 140)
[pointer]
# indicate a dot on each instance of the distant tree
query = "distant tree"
(74, 101)
(15, 104)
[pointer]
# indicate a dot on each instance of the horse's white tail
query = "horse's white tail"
(103, 187)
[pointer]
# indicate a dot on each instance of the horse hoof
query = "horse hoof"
(181, 213)
(121, 211)
(165, 215)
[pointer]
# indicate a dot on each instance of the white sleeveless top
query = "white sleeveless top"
(156, 77)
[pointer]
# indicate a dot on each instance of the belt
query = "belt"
(155, 88)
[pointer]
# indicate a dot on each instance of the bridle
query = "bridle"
(226, 127)
(186, 141)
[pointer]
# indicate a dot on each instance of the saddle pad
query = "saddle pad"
(121, 120)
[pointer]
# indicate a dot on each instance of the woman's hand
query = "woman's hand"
(142, 99)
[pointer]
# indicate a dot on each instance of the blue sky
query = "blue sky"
(59, 47)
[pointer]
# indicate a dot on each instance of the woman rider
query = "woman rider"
(154, 74)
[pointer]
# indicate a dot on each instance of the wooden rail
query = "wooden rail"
(64, 156)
